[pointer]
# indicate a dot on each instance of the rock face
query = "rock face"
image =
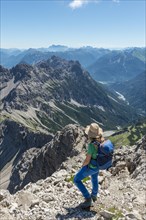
(131, 158)
(38, 164)
(15, 139)
(121, 195)
(5, 76)
(137, 165)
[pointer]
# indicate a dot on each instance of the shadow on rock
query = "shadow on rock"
(76, 212)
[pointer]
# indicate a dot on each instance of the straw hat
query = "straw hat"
(93, 131)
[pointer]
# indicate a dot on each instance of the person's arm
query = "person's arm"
(87, 160)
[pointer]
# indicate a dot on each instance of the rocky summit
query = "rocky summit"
(54, 196)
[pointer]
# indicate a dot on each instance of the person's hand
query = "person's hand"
(87, 160)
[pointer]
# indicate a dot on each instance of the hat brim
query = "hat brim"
(87, 129)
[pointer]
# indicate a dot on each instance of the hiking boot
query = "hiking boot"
(94, 198)
(87, 203)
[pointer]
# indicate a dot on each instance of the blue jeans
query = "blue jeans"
(84, 172)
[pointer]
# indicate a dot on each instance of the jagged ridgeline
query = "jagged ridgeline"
(53, 93)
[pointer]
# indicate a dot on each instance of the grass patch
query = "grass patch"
(71, 179)
(30, 124)
(50, 124)
(3, 117)
(86, 179)
(130, 135)
(120, 139)
(118, 213)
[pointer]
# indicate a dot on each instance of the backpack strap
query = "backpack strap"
(96, 143)
(94, 161)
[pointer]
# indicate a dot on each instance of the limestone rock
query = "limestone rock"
(107, 215)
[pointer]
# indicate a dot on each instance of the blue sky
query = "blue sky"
(75, 23)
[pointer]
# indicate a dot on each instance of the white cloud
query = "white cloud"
(74, 4)
(77, 3)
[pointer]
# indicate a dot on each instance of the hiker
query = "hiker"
(90, 166)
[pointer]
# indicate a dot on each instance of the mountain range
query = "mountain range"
(39, 100)
(85, 55)
(118, 66)
(103, 64)
(56, 92)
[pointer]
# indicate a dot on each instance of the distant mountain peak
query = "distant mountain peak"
(57, 48)
(54, 62)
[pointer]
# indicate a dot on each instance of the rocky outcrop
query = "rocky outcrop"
(136, 165)
(5, 76)
(38, 164)
(131, 158)
(120, 196)
(15, 139)
(22, 71)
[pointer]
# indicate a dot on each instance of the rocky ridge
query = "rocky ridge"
(16, 139)
(35, 164)
(121, 189)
